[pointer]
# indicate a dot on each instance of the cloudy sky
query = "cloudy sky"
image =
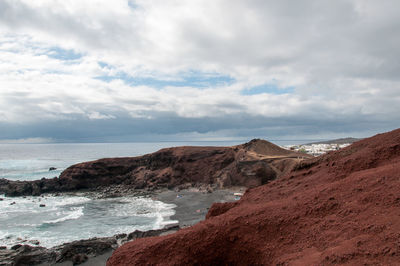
(140, 70)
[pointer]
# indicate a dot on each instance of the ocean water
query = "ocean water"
(68, 218)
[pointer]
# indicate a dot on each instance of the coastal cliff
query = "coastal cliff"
(250, 165)
(342, 207)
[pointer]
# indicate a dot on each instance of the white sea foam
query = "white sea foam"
(62, 201)
(73, 214)
(145, 207)
(31, 204)
(69, 218)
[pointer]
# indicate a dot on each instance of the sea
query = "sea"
(72, 217)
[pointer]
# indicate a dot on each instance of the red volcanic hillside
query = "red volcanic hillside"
(341, 208)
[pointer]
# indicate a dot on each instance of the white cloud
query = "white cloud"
(97, 115)
(27, 140)
(340, 57)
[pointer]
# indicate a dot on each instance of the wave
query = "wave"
(75, 214)
(146, 208)
(74, 200)
(70, 218)
(32, 203)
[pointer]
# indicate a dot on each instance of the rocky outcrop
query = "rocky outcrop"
(76, 252)
(35, 188)
(341, 208)
(251, 164)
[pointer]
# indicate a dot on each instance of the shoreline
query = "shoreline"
(191, 207)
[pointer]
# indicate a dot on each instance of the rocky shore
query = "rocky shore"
(191, 207)
(76, 252)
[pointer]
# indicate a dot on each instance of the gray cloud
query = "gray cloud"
(340, 57)
(167, 126)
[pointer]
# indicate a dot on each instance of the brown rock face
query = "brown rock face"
(250, 165)
(341, 208)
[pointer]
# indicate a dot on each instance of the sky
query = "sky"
(166, 70)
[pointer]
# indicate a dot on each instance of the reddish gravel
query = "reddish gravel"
(342, 208)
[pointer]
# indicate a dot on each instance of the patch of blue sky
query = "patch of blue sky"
(267, 88)
(104, 65)
(187, 79)
(132, 4)
(63, 54)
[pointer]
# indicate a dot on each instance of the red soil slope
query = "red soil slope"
(342, 208)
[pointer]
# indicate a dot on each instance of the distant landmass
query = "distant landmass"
(336, 141)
